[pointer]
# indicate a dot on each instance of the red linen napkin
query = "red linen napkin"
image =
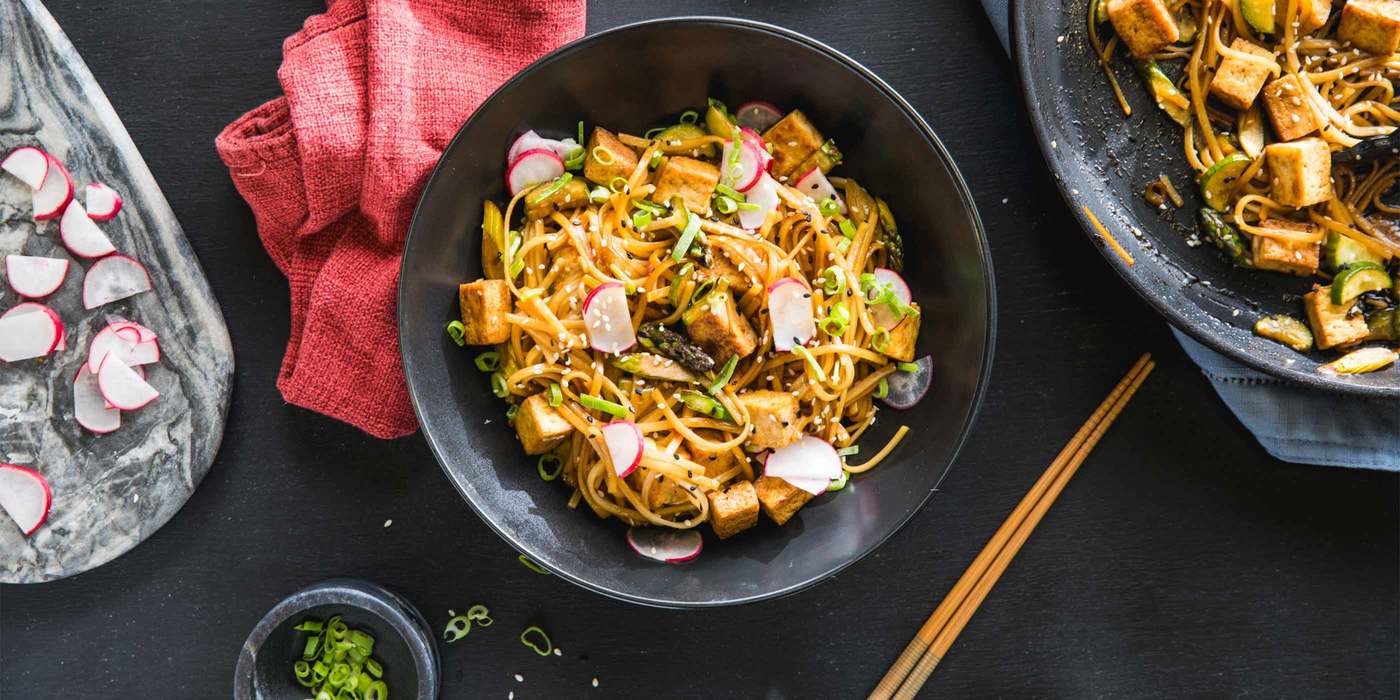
(374, 90)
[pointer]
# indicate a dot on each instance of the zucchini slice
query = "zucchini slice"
(1165, 92)
(1259, 14)
(1358, 278)
(1251, 129)
(1287, 330)
(718, 122)
(1220, 179)
(685, 132)
(1360, 361)
(1338, 251)
(1384, 325)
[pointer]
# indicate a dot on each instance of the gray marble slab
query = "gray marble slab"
(111, 491)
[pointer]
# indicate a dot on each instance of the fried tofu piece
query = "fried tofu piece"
(733, 510)
(618, 160)
(1145, 26)
(664, 492)
(723, 267)
(779, 499)
(692, 180)
(716, 462)
(1238, 81)
(1371, 25)
(485, 304)
(540, 426)
(773, 415)
(1288, 111)
(903, 337)
(1312, 14)
(1293, 257)
(792, 140)
(573, 195)
(1300, 172)
(716, 325)
(1331, 325)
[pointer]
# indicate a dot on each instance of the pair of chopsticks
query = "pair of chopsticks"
(912, 668)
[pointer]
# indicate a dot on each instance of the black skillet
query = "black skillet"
(1103, 161)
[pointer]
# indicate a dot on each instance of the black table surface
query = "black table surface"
(1182, 560)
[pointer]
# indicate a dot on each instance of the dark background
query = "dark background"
(1181, 561)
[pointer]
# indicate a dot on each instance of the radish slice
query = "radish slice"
(35, 277)
(908, 388)
(26, 336)
(81, 236)
(124, 343)
(607, 319)
(815, 185)
(535, 166)
(103, 202)
(882, 314)
(32, 307)
(809, 464)
(114, 278)
(29, 164)
(664, 544)
(530, 141)
(146, 334)
(758, 115)
(765, 195)
(790, 308)
(625, 446)
(25, 496)
(753, 161)
(89, 408)
(122, 387)
(54, 193)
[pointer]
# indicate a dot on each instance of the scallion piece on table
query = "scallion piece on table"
(692, 227)
(480, 614)
(549, 467)
(598, 403)
(488, 361)
(536, 632)
(458, 333)
(725, 374)
(457, 627)
(527, 563)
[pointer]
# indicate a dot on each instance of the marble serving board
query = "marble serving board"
(110, 491)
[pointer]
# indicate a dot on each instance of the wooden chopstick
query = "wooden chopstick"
(936, 635)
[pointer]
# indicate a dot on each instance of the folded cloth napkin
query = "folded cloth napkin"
(373, 92)
(1292, 423)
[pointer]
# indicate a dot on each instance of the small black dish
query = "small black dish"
(403, 642)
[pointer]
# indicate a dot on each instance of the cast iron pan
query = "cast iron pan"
(632, 78)
(1103, 160)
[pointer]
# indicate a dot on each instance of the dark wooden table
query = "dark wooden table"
(1182, 561)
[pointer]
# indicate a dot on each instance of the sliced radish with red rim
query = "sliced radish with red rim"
(882, 314)
(122, 386)
(35, 307)
(908, 388)
(102, 202)
(758, 115)
(124, 342)
(530, 140)
(54, 194)
(89, 408)
(765, 196)
(607, 319)
(25, 336)
(114, 278)
(809, 464)
(790, 308)
(753, 162)
(664, 544)
(81, 235)
(146, 334)
(25, 496)
(29, 164)
(533, 167)
(35, 277)
(815, 185)
(625, 445)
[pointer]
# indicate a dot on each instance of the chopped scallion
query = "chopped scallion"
(843, 245)
(703, 404)
(839, 482)
(907, 367)
(510, 412)
(498, 385)
(580, 132)
(641, 219)
(596, 403)
(748, 206)
(457, 332)
(543, 647)
(653, 207)
(576, 158)
(309, 626)
(602, 155)
(598, 195)
(690, 116)
(836, 320)
(725, 205)
(883, 388)
(848, 229)
(829, 206)
(480, 615)
(488, 361)
(527, 563)
(848, 451)
(333, 665)
(556, 395)
(651, 133)
(880, 340)
(457, 627)
(549, 467)
(725, 374)
(730, 192)
(656, 157)
(617, 184)
(811, 361)
(834, 281)
(692, 227)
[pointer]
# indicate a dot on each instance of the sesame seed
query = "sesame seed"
(388, 522)
(595, 680)
(519, 678)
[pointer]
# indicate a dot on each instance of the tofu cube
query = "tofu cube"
(1286, 256)
(792, 140)
(733, 510)
(618, 160)
(1145, 26)
(664, 492)
(1331, 325)
(903, 337)
(485, 304)
(1288, 112)
(540, 426)
(1300, 172)
(573, 195)
(779, 499)
(1238, 82)
(692, 180)
(1312, 14)
(716, 325)
(1371, 25)
(724, 267)
(773, 415)
(714, 462)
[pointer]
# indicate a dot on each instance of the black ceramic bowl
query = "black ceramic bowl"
(403, 643)
(632, 78)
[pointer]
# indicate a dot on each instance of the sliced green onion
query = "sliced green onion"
(725, 205)
(811, 360)
(598, 195)
(730, 192)
(702, 290)
(843, 245)
(705, 405)
(378, 690)
(656, 157)
(651, 133)
(310, 626)
(362, 641)
(602, 155)
(549, 467)
(596, 403)
(580, 132)
(848, 451)
(834, 281)
(692, 227)
(867, 281)
(343, 652)
(748, 206)
(545, 650)
(517, 267)
(480, 615)
(556, 395)
(458, 333)
(617, 184)
(907, 366)
(836, 321)
(653, 207)
(839, 482)
(848, 229)
(883, 388)
(337, 629)
(575, 159)
(675, 291)
(498, 385)
(717, 105)
(725, 374)
(456, 628)
(302, 670)
(690, 116)
(488, 361)
(339, 673)
(319, 671)
(641, 219)
(527, 563)
(548, 190)
(374, 668)
(880, 340)
(313, 645)
(731, 164)
(829, 206)
(511, 411)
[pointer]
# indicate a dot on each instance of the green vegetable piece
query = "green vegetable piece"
(1221, 178)
(1259, 14)
(488, 361)
(692, 227)
(685, 132)
(1383, 325)
(645, 364)
(703, 404)
(536, 639)
(480, 615)
(1358, 278)
(1338, 251)
(1361, 361)
(457, 627)
(598, 403)
(458, 333)
(1225, 237)
(883, 388)
(549, 467)
(1287, 330)
(669, 343)
(302, 671)
(378, 690)
(545, 191)
(839, 482)
(717, 119)
(725, 374)
(1100, 11)
(889, 233)
(1165, 92)
(527, 563)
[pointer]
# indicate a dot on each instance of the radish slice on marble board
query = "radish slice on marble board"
(138, 353)
(809, 464)
(146, 334)
(102, 202)
(81, 236)
(25, 496)
(625, 445)
(815, 185)
(664, 544)
(29, 164)
(790, 308)
(123, 341)
(54, 194)
(122, 386)
(35, 277)
(765, 195)
(26, 336)
(758, 115)
(908, 388)
(33, 307)
(89, 408)
(533, 167)
(114, 278)
(607, 319)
